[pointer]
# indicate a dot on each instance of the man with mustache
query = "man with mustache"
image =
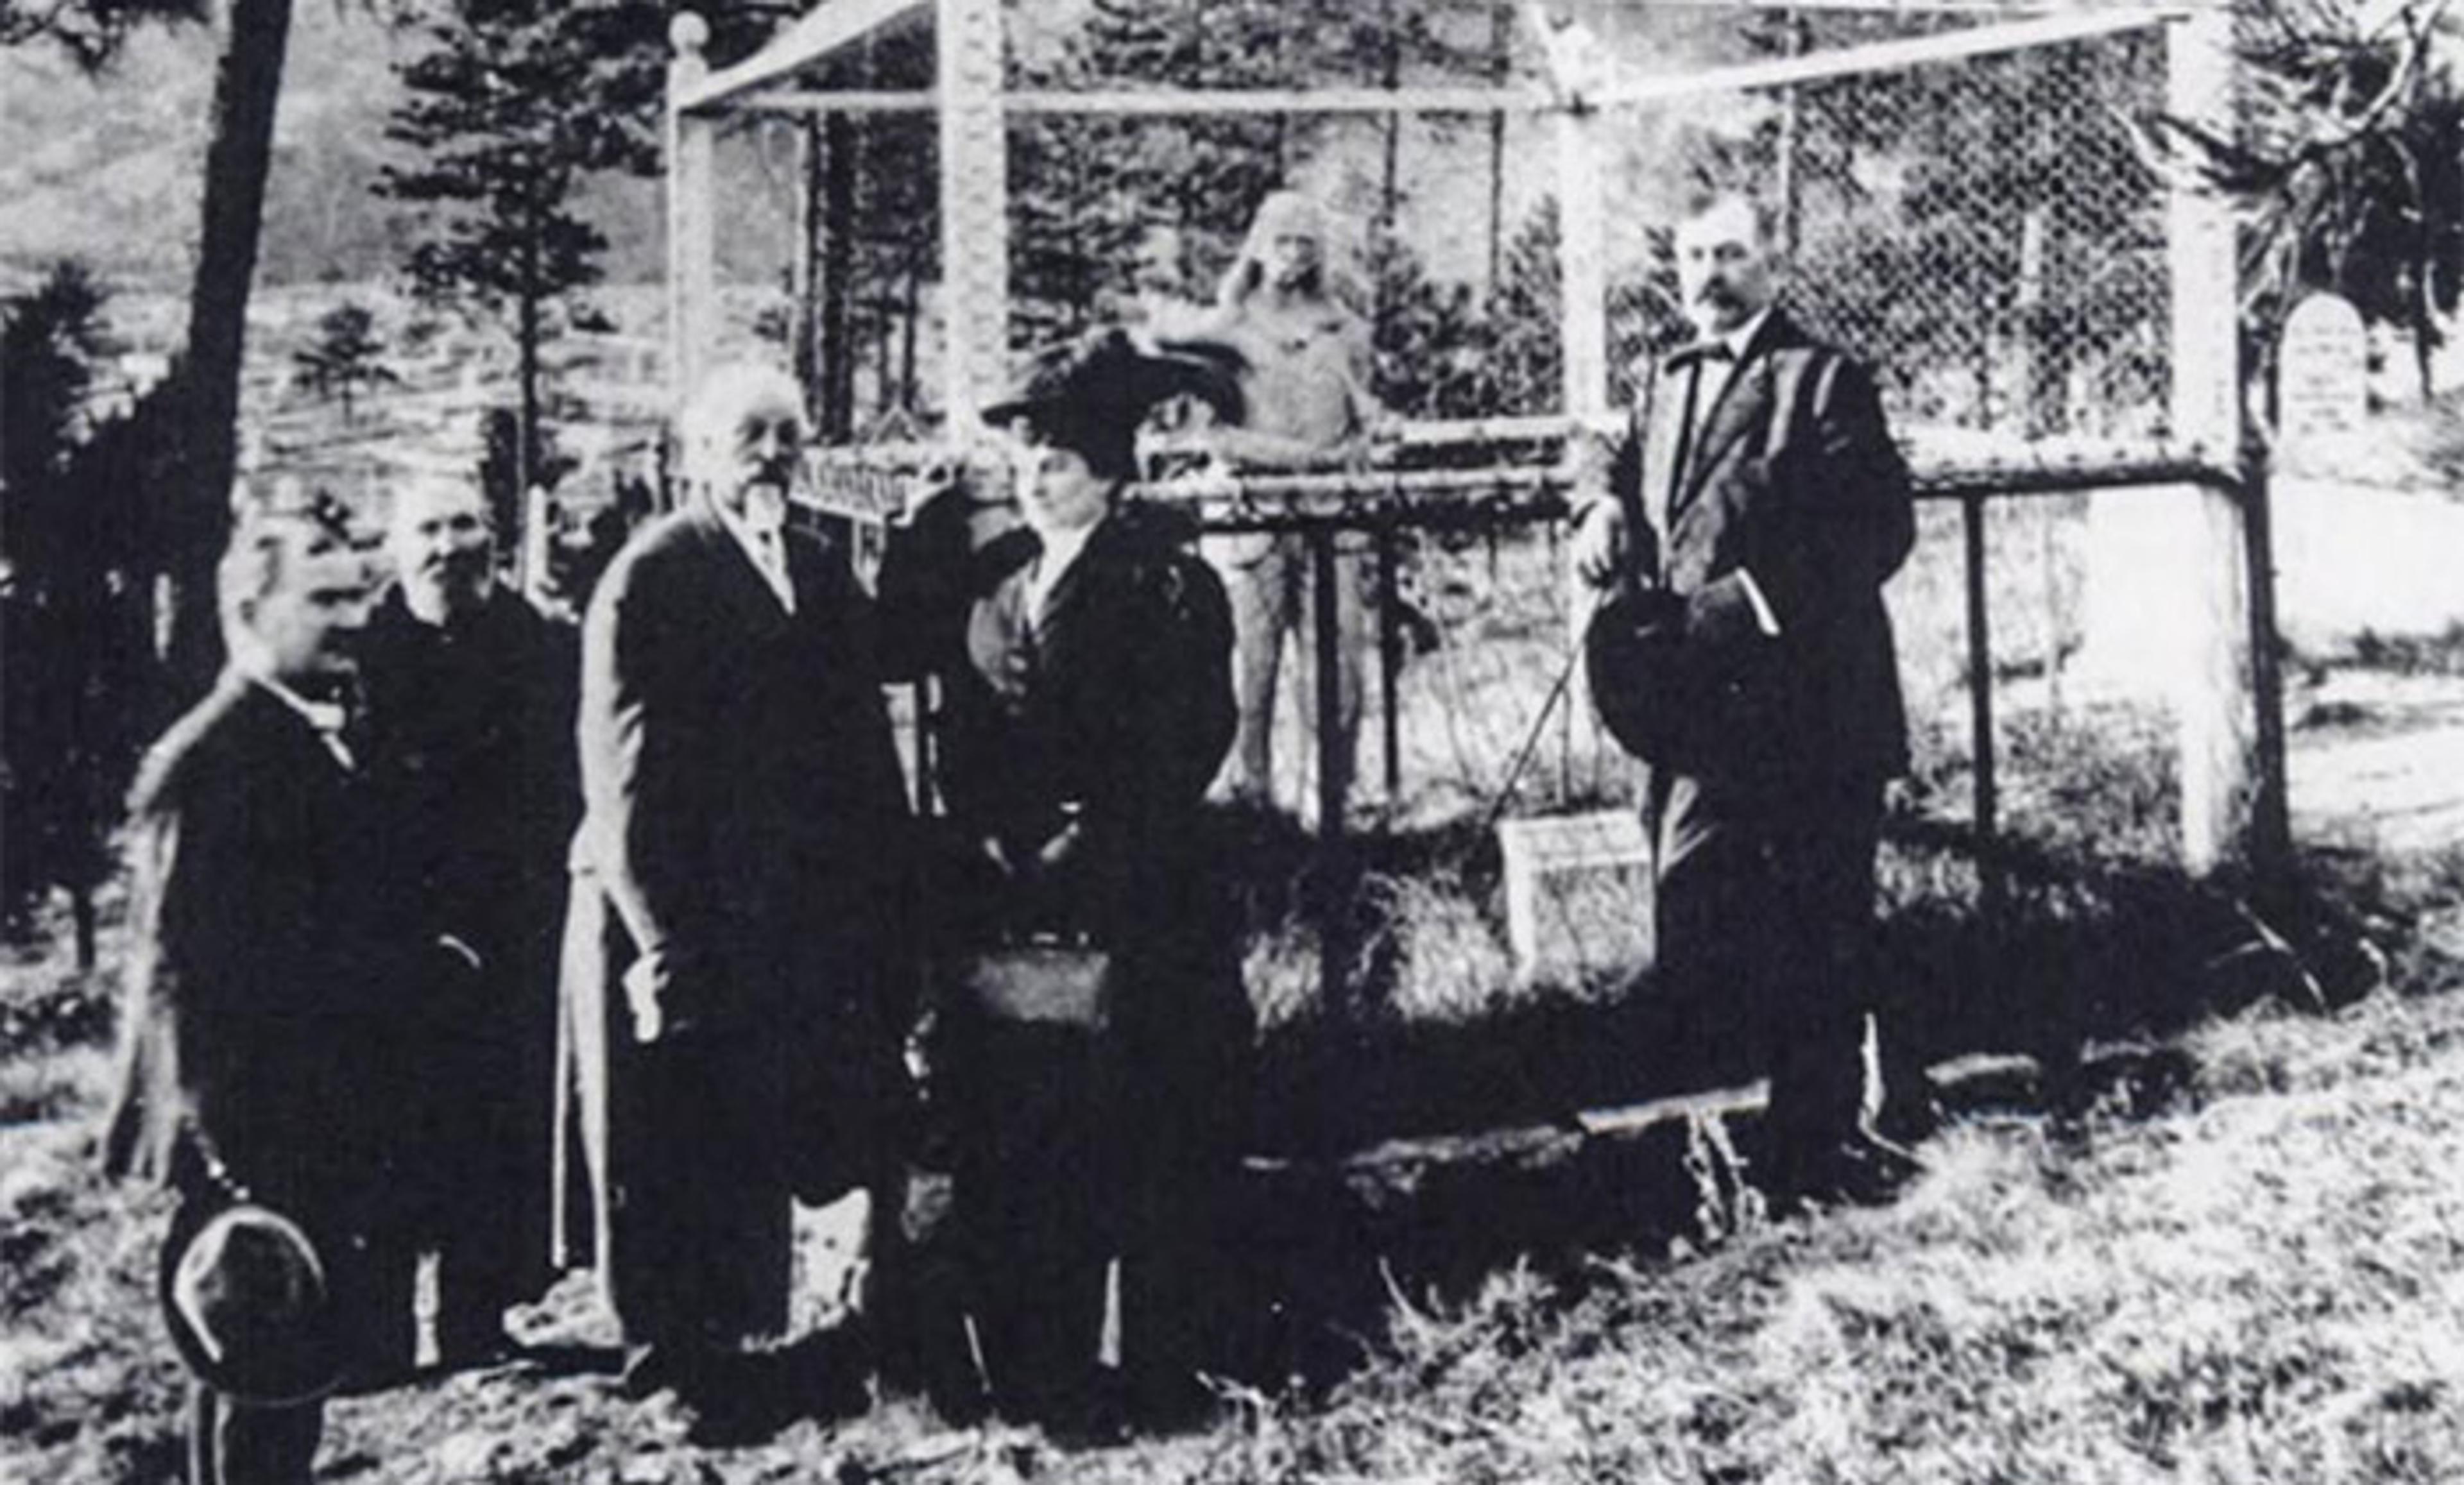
(1755, 508)
(470, 697)
(732, 1044)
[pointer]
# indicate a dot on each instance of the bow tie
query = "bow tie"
(1703, 351)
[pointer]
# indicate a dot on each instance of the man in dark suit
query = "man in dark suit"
(733, 884)
(470, 698)
(1756, 507)
(262, 1013)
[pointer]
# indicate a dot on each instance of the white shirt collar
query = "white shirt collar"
(1060, 552)
(760, 530)
(326, 717)
(1743, 336)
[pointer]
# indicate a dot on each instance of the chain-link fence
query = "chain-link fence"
(1960, 201)
(1978, 227)
(1976, 221)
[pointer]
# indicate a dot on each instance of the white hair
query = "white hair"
(710, 413)
(430, 482)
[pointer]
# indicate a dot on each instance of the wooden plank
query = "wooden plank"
(693, 256)
(824, 30)
(851, 101)
(1166, 102)
(737, 88)
(975, 207)
(1878, 57)
(2213, 694)
(1281, 100)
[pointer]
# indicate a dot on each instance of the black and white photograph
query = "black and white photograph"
(958, 742)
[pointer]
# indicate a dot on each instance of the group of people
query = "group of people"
(345, 1046)
(340, 1007)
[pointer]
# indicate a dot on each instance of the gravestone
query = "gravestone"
(2323, 372)
(1577, 892)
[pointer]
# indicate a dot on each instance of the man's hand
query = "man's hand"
(645, 994)
(1598, 548)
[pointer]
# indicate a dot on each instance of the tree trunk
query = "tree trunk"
(238, 157)
(1389, 184)
(527, 369)
(808, 278)
(1501, 69)
(838, 272)
(910, 311)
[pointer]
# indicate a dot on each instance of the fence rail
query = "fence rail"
(1388, 506)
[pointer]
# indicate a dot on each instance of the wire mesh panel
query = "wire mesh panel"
(1958, 197)
(1978, 227)
(1967, 213)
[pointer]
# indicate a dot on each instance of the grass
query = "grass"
(2180, 1246)
(2253, 1280)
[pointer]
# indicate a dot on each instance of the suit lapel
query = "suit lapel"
(806, 578)
(1742, 407)
(1666, 438)
(741, 587)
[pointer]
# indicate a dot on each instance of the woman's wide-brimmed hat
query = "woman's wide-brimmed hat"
(1107, 383)
(244, 1294)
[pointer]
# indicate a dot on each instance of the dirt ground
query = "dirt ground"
(2380, 766)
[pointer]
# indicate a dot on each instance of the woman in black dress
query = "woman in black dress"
(1095, 1021)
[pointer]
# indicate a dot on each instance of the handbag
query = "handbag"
(1045, 979)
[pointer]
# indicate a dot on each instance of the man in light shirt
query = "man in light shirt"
(1755, 508)
(729, 1045)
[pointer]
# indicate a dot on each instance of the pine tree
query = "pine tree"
(345, 356)
(204, 427)
(70, 531)
(511, 106)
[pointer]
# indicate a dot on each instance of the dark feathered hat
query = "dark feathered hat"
(1092, 394)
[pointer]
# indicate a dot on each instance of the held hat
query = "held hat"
(1682, 685)
(245, 1295)
(1090, 395)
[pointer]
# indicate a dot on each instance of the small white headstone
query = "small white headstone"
(1577, 892)
(2323, 373)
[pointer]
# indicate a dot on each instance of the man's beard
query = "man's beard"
(453, 585)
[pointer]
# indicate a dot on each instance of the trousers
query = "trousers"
(1763, 912)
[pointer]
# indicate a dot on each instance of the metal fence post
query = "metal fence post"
(1327, 638)
(2270, 827)
(1984, 815)
(1389, 664)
